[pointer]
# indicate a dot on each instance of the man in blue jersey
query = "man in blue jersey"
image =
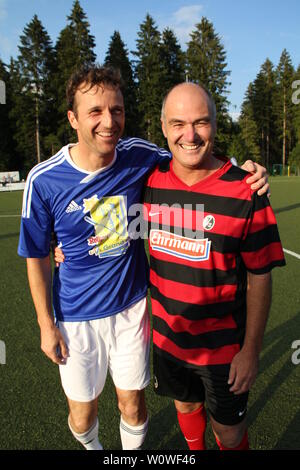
(99, 294)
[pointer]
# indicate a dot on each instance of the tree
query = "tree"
(296, 104)
(32, 75)
(117, 57)
(263, 100)
(6, 131)
(172, 60)
(294, 158)
(84, 42)
(249, 132)
(206, 65)
(284, 75)
(149, 74)
(74, 49)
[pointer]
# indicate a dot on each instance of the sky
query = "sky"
(250, 30)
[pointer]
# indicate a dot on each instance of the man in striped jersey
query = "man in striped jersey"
(212, 243)
(84, 194)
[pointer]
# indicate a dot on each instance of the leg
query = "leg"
(132, 406)
(83, 378)
(134, 421)
(82, 415)
(192, 422)
(231, 437)
(83, 423)
(227, 411)
(130, 371)
(185, 387)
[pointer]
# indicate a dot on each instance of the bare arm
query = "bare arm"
(244, 366)
(39, 276)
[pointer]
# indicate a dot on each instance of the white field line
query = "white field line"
(10, 215)
(292, 253)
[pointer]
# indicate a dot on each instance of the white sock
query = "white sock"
(88, 439)
(132, 437)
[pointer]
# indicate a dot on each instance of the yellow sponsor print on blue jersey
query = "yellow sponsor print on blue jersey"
(108, 215)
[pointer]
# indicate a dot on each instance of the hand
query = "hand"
(53, 345)
(259, 179)
(59, 256)
(243, 371)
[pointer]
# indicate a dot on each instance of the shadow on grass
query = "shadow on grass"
(278, 341)
(287, 208)
(290, 439)
(160, 426)
(9, 235)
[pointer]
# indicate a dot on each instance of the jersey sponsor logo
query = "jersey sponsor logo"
(181, 247)
(73, 207)
(108, 215)
(209, 222)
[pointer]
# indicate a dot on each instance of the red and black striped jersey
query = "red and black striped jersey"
(202, 241)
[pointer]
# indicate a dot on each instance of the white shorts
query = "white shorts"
(119, 343)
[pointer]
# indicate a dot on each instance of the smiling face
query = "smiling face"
(189, 125)
(99, 119)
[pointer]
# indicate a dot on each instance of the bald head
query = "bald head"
(188, 88)
(189, 125)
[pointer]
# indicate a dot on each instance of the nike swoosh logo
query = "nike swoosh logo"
(242, 412)
(151, 214)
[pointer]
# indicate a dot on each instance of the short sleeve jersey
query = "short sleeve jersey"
(202, 241)
(105, 269)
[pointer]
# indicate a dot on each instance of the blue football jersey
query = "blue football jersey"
(105, 269)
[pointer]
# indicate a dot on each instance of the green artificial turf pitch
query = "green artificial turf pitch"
(33, 411)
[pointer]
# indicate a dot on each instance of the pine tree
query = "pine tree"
(149, 74)
(33, 80)
(284, 109)
(172, 60)
(117, 57)
(74, 48)
(263, 100)
(296, 104)
(84, 42)
(206, 65)
(7, 153)
(249, 132)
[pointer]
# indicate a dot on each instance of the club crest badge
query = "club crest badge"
(208, 222)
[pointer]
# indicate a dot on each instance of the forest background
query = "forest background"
(33, 122)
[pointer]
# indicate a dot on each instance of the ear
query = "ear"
(163, 127)
(72, 120)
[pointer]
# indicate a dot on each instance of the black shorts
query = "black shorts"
(203, 384)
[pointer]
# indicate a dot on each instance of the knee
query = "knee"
(81, 422)
(130, 411)
(230, 438)
(133, 409)
(186, 407)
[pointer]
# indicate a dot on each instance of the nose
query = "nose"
(107, 119)
(189, 133)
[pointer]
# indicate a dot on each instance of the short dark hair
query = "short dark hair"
(94, 75)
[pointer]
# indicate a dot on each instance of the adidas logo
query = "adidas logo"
(72, 207)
